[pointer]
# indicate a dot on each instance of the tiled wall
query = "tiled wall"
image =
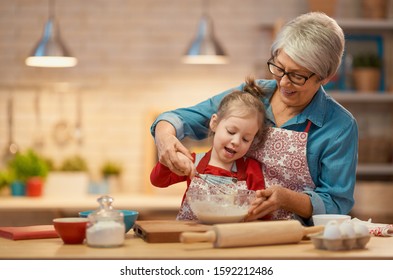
(129, 68)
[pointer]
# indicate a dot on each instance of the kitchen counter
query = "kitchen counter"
(21, 211)
(88, 202)
(24, 211)
(136, 248)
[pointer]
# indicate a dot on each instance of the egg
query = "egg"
(361, 230)
(347, 230)
(332, 231)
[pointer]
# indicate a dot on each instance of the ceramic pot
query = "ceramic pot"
(374, 9)
(327, 7)
(18, 188)
(366, 79)
(100, 187)
(66, 184)
(34, 186)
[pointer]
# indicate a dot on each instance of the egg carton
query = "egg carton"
(358, 242)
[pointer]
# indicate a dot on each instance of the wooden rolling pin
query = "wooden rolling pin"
(251, 234)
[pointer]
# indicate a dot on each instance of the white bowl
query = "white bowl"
(323, 219)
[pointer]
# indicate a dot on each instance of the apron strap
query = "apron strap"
(203, 162)
(308, 126)
(241, 169)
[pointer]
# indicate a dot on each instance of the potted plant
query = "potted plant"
(75, 163)
(111, 172)
(110, 168)
(5, 180)
(29, 171)
(70, 178)
(366, 72)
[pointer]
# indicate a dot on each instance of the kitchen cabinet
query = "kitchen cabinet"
(372, 110)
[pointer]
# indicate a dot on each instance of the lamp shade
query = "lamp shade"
(205, 48)
(50, 50)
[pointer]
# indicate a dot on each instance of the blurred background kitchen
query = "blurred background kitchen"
(92, 120)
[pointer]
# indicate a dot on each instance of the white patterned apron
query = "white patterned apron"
(201, 162)
(284, 163)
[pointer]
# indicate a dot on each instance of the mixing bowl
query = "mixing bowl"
(220, 208)
(323, 219)
(72, 230)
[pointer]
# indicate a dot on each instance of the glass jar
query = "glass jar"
(106, 226)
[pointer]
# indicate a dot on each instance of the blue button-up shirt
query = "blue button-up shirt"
(332, 145)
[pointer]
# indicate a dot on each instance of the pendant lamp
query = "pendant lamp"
(205, 48)
(50, 51)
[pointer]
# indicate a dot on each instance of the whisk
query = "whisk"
(222, 188)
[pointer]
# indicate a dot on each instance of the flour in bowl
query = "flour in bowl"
(209, 212)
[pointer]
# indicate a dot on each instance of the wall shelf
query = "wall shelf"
(364, 24)
(375, 169)
(349, 23)
(362, 97)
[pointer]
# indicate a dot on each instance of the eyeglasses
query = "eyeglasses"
(295, 78)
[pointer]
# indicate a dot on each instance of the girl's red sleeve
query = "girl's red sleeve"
(162, 177)
(255, 180)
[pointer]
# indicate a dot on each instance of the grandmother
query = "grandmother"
(310, 155)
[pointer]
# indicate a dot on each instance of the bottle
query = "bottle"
(106, 226)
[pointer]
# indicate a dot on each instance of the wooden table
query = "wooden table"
(136, 248)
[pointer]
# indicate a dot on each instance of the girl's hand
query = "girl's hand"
(267, 201)
(250, 215)
(278, 197)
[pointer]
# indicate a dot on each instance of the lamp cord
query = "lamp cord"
(51, 9)
(205, 7)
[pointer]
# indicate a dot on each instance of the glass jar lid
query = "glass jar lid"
(106, 212)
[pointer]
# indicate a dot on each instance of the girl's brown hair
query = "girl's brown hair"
(246, 102)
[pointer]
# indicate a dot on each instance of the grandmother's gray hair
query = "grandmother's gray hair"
(314, 41)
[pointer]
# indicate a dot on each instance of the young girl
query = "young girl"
(238, 125)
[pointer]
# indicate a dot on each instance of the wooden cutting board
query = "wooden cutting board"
(166, 231)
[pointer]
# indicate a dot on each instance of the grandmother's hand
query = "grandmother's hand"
(267, 201)
(169, 147)
(189, 167)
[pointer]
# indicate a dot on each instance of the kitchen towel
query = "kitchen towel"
(376, 229)
(28, 232)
